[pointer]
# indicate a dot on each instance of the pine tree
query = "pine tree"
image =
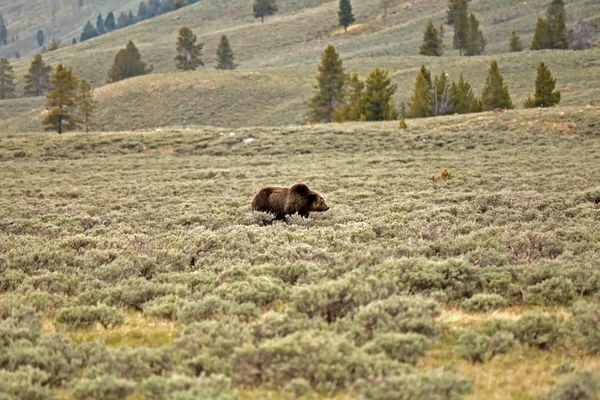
(377, 103)
(345, 16)
(427, 75)
(54, 45)
(61, 101)
(3, 31)
(7, 80)
(432, 46)
(420, 105)
(74, 41)
(330, 87)
(40, 37)
(177, 4)
(475, 40)
(130, 18)
(189, 54)
(461, 26)
(352, 110)
(451, 12)
(541, 37)
(100, 25)
(544, 96)
(559, 32)
(262, 8)
(123, 21)
(110, 23)
(514, 43)
(128, 63)
(495, 92)
(464, 100)
(142, 12)
(442, 101)
(555, 7)
(85, 104)
(225, 57)
(37, 81)
(89, 32)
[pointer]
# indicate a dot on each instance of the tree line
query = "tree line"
(341, 97)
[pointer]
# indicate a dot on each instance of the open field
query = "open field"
(150, 233)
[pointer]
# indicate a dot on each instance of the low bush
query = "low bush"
(26, 383)
(584, 385)
(586, 326)
(103, 387)
(539, 331)
(84, 317)
(551, 291)
(483, 303)
(473, 346)
(402, 347)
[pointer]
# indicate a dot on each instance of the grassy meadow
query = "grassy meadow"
(131, 265)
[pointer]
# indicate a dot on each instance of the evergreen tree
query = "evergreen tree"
(123, 21)
(37, 81)
(461, 26)
(559, 32)
(475, 40)
(330, 87)
(3, 31)
(420, 105)
(110, 23)
(495, 92)
(352, 110)
(225, 57)
(177, 4)
(541, 37)
(128, 63)
(40, 37)
(74, 41)
(451, 12)
(432, 45)
(100, 25)
(544, 96)
(555, 7)
(89, 32)
(262, 8)
(377, 103)
(426, 74)
(61, 101)
(142, 12)
(514, 43)
(189, 54)
(130, 19)
(345, 16)
(7, 80)
(85, 104)
(464, 100)
(54, 45)
(441, 98)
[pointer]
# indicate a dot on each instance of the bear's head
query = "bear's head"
(316, 202)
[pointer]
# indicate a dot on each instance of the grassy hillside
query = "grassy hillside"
(157, 227)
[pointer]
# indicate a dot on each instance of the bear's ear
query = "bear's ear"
(312, 198)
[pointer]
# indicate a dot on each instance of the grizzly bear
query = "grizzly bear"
(282, 201)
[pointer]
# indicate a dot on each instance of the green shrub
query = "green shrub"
(551, 291)
(539, 331)
(262, 291)
(26, 383)
(140, 363)
(483, 303)
(457, 279)
(84, 317)
(403, 347)
(103, 387)
(586, 326)
(473, 346)
(166, 307)
(501, 343)
(273, 325)
(583, 385)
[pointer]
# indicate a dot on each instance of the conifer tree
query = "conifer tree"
(345, 16)
(451, 12)
(100, 25)
(37, 81)
(74, 41)
(123, 21)
(128, 63)
(54, 44)
(555, 7)
(130, 19)
(420, 105)
(177, 4)
(475, 40)
(85, 104)
(427, 75)
(7, 80)
(432, 45)
(377, 103)
(514, 43)
(189, 54)
(541, 37)
(352, 110)
(110, 23)
(40, 37)
(89, 32)
(142, 11)
(262, 8)
(495, 92)
(61, 101)
(559, 32)
(3, 31)
(330, 87)
(461, 26)
(544, 96)
(464, 100)
(441, 98)
(225, 57)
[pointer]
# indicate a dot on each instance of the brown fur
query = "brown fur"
(287, 201)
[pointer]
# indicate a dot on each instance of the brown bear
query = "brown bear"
(287, 201)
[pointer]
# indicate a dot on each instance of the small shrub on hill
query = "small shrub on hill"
(103, 387)
(539, 331)
(586, 326)
(483, 303)
(584, 385)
